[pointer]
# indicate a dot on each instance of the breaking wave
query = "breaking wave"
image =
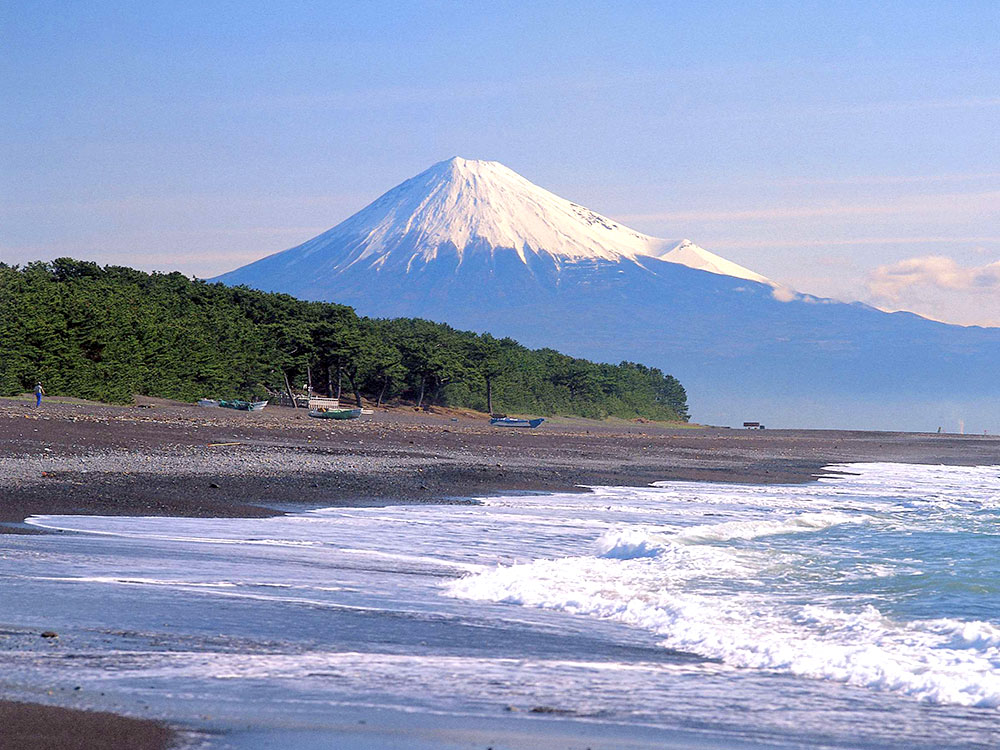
(761, 593)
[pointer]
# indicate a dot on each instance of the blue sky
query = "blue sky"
(844, 149)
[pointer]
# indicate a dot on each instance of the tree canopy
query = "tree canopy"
(108, 333)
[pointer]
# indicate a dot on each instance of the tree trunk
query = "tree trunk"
(423, 385)
(340, 377)
(309, 380)
(329, 382)
(381, 394)
(354, 387)
(288, 390)
(489, 395)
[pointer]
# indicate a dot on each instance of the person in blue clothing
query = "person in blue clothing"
(39, 392)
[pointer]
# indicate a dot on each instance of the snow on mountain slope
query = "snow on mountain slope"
(460, 203)
(462, 206)
(691, 255)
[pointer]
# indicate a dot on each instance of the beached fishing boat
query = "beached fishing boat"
(243, 405)
(207, 402)
(324, 413)
(512, 422)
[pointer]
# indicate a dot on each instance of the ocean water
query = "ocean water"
(862, 610)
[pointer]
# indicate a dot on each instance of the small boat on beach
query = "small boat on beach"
(513, 422)
(325, 413)
(211, 402)
(243, 405)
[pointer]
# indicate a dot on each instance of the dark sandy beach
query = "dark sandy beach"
(28, 725)
(165, 458)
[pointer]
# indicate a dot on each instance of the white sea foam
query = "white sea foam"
(141, 581)
(640, 541)
(946, 663)
(681, 582)
(803, 522)
(628, 544)
(964, 634)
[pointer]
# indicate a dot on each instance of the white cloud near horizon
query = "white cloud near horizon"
(891, 282)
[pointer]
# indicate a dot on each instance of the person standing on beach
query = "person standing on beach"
(39, 392)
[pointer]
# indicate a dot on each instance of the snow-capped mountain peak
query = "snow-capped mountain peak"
(465, 203)
(464, 208)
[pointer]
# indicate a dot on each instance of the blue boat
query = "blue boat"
(512, 422)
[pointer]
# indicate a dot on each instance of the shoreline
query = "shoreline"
(164, 458)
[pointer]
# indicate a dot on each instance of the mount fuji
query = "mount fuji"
(476, 245)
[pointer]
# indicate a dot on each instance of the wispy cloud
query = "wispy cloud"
(860, 109)
(890, 282)
(781, 112)
(185, 202)
(887, 179)
(906, 105)
(138, 255)
(923, 204)
(853, 242)
(383, 97)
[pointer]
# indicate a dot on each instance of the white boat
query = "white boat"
(207, 402)
(513, 422)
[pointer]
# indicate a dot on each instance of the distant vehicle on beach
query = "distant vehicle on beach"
(513, 422)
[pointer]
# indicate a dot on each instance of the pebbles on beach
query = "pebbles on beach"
(179, 459)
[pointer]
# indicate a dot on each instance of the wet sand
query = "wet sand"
(165, 458)
(28, 726)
